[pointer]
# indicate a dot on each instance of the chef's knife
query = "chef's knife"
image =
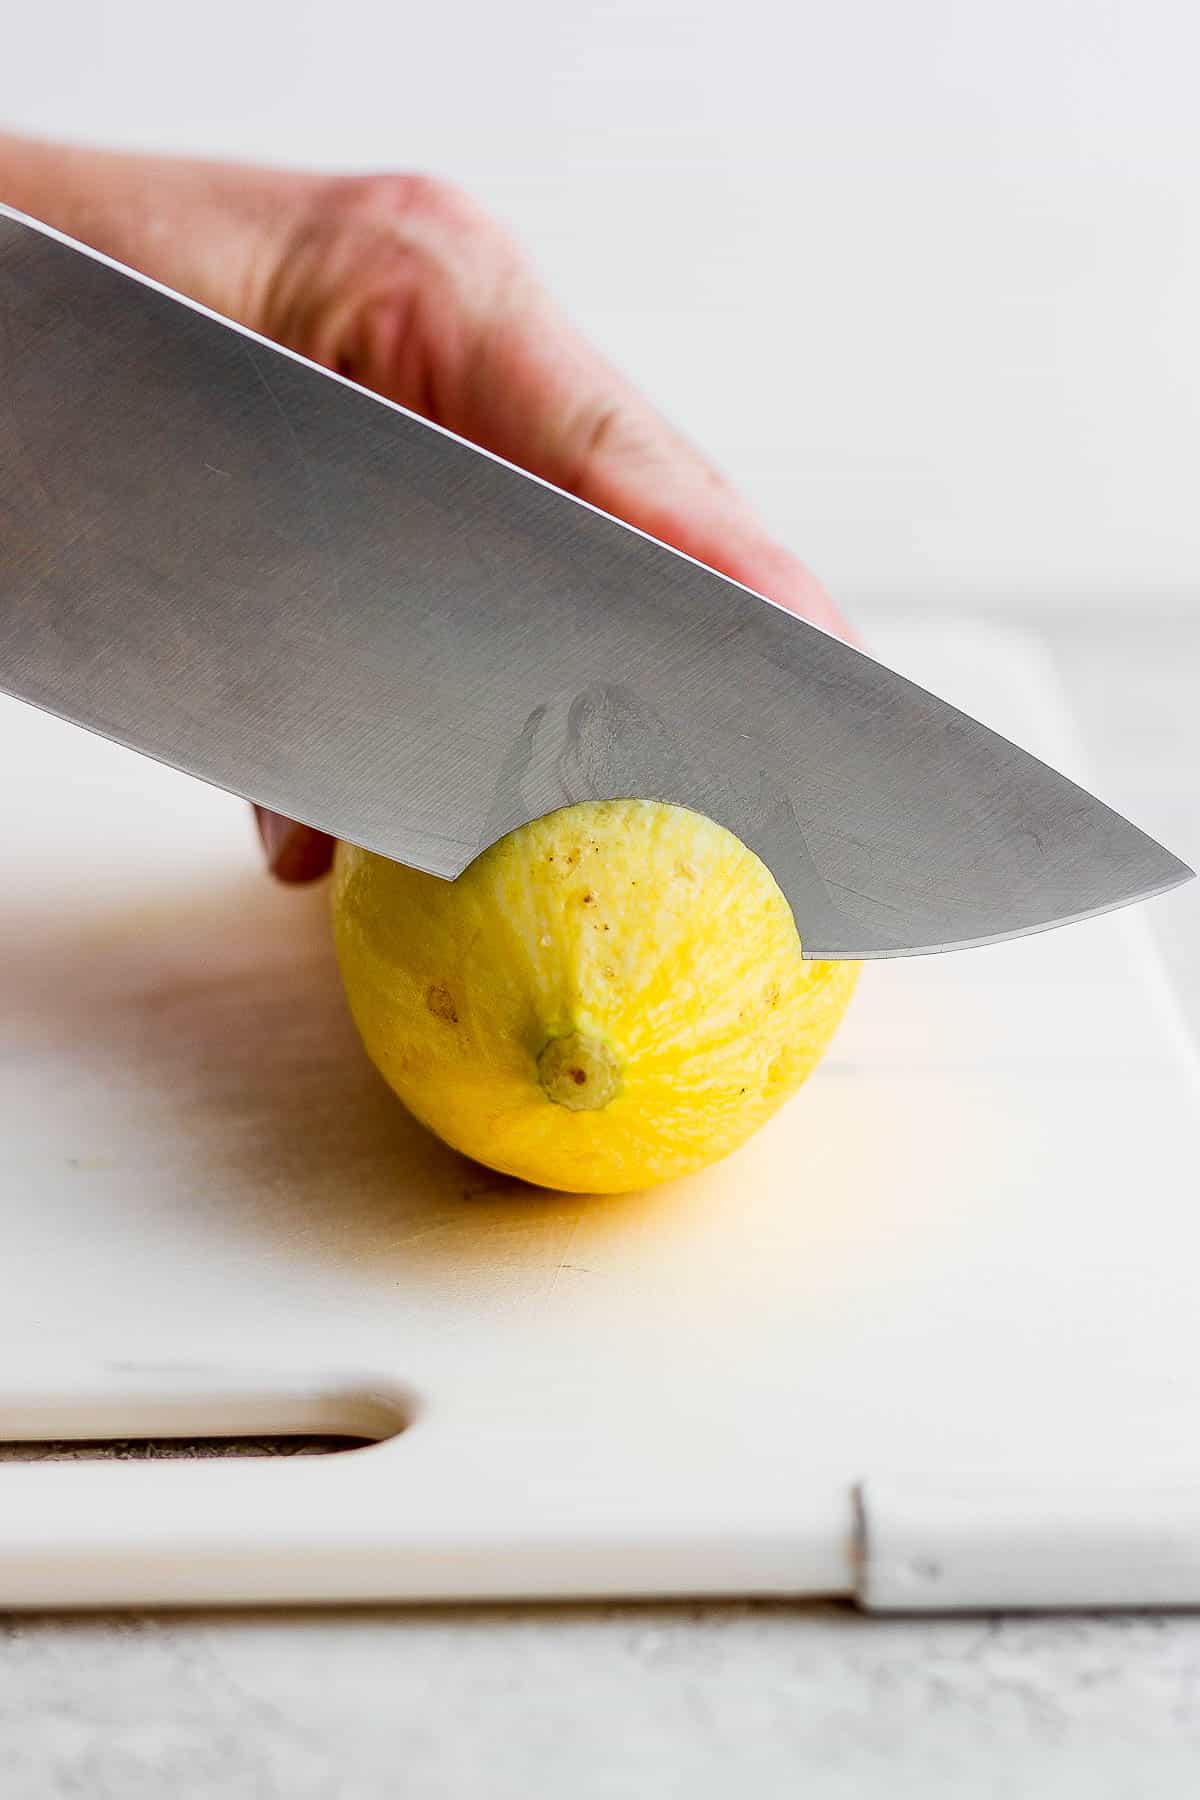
(224, 556)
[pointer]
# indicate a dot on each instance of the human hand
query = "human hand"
(402, 283)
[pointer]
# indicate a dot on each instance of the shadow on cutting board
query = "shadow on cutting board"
(201, 1054)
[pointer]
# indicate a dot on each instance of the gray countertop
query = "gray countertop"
(611, 1701)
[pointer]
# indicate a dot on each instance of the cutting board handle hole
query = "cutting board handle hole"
(168, 1411)
(157, 1448)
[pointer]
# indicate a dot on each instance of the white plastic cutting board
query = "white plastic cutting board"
(960, 1269)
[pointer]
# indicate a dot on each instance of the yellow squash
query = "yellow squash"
(608, 997)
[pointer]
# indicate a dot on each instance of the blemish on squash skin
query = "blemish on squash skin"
(440, 1002)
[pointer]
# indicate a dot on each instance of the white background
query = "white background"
(924, 274)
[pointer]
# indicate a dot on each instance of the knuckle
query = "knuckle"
(412, 197)
(410, 246)
(604, 432)
(619, 430)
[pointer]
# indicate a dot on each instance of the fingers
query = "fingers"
(581, 425)
(405, 285)
(295, 853)
(542, 396)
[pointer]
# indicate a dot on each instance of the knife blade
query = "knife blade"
(232, 560)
